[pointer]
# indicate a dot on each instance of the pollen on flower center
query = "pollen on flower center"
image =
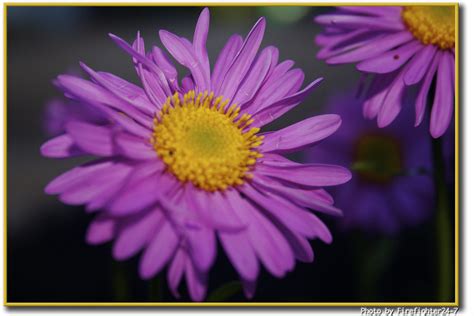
(431, 24)
(203, 141)
(377, 158)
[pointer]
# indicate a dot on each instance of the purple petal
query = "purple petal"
(163, 62)
(302, 134)
(76, 175)
(142, 189)
(139, 57)
(383, 11)
(134, 236)
(311, 175)
(304, 198)
(159, 251)
(100, 230)
(176, 271)
(372, 49)
(288, 214)
(391, 60)
(255, 76)
(185, 55)
(420, 103)
(199, 42)
(241, 254)
(269, 245)
(277, 109)
(226, 56)
(202, 247)
(419, 65)
(356, 21)
(444, 98)
(134, 147)
(242, 61)
(275, 90)
(60, 147)
(206, 205)
(96, 184)
(392, 102)
(196, 282)
(93, 139)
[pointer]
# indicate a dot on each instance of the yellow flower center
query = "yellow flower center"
(431, 24)
(203, 141)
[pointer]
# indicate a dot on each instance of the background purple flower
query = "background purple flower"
(181, 167)
(392, 185)
(402, 47)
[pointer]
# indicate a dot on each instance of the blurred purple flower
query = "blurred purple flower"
(402, 47)
(391, 185)
(181, 167)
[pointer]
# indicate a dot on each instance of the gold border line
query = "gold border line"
(455, 303)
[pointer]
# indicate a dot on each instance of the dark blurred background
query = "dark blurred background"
(48, 260)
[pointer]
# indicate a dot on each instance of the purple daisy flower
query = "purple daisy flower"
(391, 185)
(402, 47)
(182, 166)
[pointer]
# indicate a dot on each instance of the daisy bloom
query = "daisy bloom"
(392, 185)
(412, 46)
(181, 165)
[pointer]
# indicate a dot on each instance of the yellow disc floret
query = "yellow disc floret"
(203, 141)
(431, 24)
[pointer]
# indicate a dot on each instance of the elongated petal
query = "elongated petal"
(133, 237)
(419, 65)
(186, 57)
(420, 103)
(159, 251)
(202, 248)
(392, 102)
(176, 271)
(242, 61)
(134, 147)
(354, 21)
(196, 282)
(255, 77)
(93, 139)
(101, 230)
(240, 252)
(372, 49)
(60, 147)
(224, 60)
(274, 111)
(444, 98)
(311, 175)
(301, 134)
(199, 42)
(391, 60)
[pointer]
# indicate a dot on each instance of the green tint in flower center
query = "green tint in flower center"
(377, 158)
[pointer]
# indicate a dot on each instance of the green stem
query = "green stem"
(443, 226)
(119, 281)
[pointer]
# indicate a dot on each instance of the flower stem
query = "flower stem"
(444, 232)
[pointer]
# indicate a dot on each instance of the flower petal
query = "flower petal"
(277, 109)
(241, 254)
(159, 251)
(242, 61)
(224, 60)
(184, 54)
(134, 147)
(419, 65)
(301, 134)
(93, 139)
(444, 98)
(310, 175)
(199, 42)
(391, 60)
(420, 103)
(100, 230)
(60, 147)
(135, 234)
